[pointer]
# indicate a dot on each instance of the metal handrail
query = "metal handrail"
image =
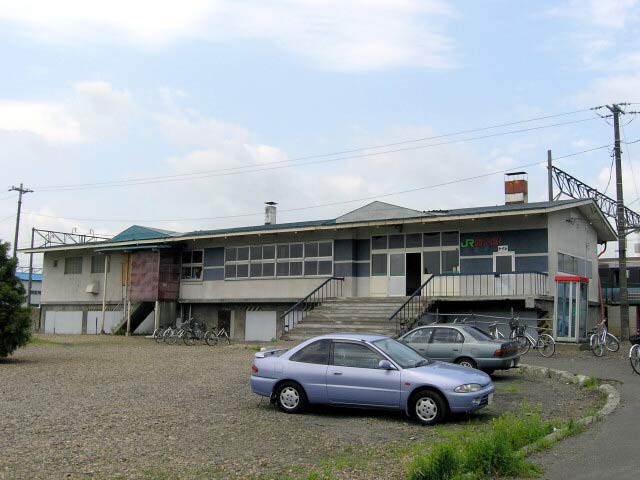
(409, 301)
(297, 312)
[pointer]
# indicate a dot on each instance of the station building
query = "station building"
(378, 268)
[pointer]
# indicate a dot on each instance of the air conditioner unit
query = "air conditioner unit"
(93, 287)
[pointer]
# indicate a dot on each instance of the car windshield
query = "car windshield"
(476, 333)
(401, 354)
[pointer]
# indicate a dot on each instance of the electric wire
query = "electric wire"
(223, 172)
(343, 202)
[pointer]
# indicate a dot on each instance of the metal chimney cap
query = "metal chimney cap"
(270, 203)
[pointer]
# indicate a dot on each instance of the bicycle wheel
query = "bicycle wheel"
(225, 336)
(634, 358)
(210, 338)
(523, 345)
(596, 346)
(171, 337)
(189, 338)
(546, 345)
(611, 343)
(158, 335)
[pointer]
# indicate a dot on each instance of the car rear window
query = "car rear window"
(316, 352)
(476, 333)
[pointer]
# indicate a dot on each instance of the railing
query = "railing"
(612, 294)
(488, 285)
(331, 287)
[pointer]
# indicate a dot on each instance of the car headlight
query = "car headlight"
(468, 388)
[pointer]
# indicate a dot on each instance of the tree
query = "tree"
(15, 320)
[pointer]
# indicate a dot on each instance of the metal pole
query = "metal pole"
(104, 292)
(20, 191)
(622, 239)
(30, 270)
(550, 175)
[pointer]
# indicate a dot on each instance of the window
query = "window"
(396, 241)
(318, 258)
(73, 265)
(396, 264)
(317, 352)
(379, 264)
(574, 265)
(431, 263)
(431, 239)
(447, 335)
(191, 265)
(414, 240)
(379, 242)
(477, 334)
(450, 239)
(355, 355)
(421, 335)
(97, 263)
(450, 260)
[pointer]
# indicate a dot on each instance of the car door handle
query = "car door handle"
(337, 373)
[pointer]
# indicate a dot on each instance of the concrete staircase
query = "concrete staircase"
(348, 315)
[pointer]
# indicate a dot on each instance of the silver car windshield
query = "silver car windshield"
(401, 354)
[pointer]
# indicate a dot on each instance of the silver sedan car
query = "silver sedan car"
(465, 345)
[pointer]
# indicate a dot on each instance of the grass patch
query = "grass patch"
(508, 389)
(591, 383)
(42, 341)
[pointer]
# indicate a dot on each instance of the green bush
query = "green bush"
(15, 320)
(443, 463)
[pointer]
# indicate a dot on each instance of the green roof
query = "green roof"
(136, 232)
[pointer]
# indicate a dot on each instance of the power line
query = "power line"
(451, 182)
(226, 172)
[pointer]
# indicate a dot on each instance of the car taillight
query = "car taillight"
(254, 369)
(498, 353)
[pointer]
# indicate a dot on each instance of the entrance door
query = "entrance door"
(571, 307)
(414, 272)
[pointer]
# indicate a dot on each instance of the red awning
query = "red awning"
(571, 278)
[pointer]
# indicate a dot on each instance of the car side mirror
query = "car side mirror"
(385, 365)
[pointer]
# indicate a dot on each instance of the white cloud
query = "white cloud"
(344, 35)
(613, 14)
(94, 111)
(609, 89)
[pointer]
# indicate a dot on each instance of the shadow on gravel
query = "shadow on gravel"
(17, 361)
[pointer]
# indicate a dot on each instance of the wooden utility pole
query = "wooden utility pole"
(622, 239)
(20, 191)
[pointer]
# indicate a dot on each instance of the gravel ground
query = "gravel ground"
(115, 407)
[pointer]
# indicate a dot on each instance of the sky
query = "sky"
(190, 115)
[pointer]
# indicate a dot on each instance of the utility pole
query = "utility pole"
(550, 175)
(20, 191)
(622, 239)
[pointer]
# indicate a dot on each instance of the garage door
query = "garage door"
(260, 326)
(63, 322)
(110, 321)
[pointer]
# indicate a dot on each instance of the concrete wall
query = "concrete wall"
(59, 288)
(571, 234)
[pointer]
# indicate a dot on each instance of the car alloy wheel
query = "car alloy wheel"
(290, 397)
(429, 408)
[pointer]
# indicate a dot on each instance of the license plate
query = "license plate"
(490, 401)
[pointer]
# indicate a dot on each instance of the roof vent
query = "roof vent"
(516, 188)
(270, 213)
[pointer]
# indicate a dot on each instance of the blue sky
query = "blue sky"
(123, 90)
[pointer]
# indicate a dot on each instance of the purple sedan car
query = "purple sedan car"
(371, 371)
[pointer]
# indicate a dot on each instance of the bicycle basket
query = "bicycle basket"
(635, 339)
(520, 329)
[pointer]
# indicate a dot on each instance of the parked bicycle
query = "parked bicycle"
(634, 353)
(158, 334)
(544, 344)
(601, 339)
(215, 336)
(494, 332)
(193, 332)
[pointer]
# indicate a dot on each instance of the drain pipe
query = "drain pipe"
(600, 286)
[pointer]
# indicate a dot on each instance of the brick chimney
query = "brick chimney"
(516, 188)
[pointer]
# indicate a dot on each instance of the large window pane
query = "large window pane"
(414, 240)
(450, 239)
(243, 270)
(311, 267)
(317, 352)
(324, 267)
(268, 269)
(196, 256)
(379, 264)
(230, 271)
(379, 242)
(311, 249)
(296, 250)
(73, 265)
(186, 257)
(295, 269)
(355, 355)
(450, 260)
(269, 252)
(231, 254)
(243, 253)
(396, 241)
(396, 264)
(431, 239)
(283, 251)
(325, 249)
(282, 269)
(431, 263)
(256, 269)
(256, 253)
